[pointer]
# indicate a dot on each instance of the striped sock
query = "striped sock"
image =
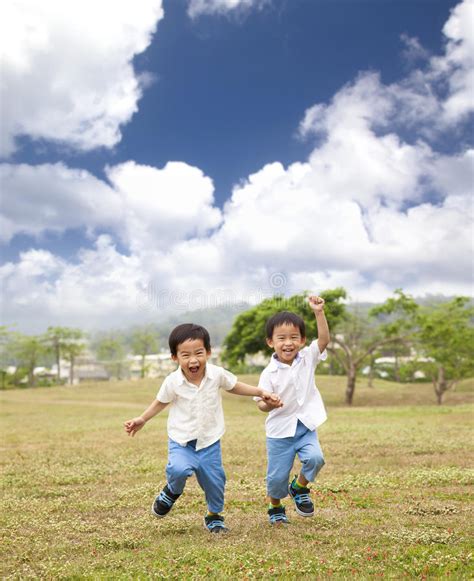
(271, 505)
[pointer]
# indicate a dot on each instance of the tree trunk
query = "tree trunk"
(440, 385)
(371, 372)
(351, 383)
(71, 372)
(396, 370)
(58, 363)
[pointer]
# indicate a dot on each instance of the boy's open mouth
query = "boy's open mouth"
(193, 368)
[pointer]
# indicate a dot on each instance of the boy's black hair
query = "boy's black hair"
(284, 318)
(187, 331)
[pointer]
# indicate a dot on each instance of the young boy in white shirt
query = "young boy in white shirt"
(291, 429)
(195, 421)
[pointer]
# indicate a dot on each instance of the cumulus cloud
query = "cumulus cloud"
(458, 62)
(135, 204)
(67, 73)
(201, 7)
(162, 206)
(375, 206)
(54, 198)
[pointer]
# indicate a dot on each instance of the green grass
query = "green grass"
(394, 499)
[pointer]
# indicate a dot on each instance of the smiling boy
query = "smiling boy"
(291, 430)
(195, 421)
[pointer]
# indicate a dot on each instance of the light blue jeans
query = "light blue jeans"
(281, 454)
(184, 461)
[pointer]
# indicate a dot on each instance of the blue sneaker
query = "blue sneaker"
(301, 496)
(214, 523)
(277, 516)
(163, 503)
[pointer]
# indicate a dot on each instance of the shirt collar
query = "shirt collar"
(275, 363)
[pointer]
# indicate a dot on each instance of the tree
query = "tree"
(27, 351)
(58, 339)
(72, 350)
(359, 336)
(144, 342)
(248, 330)
(446, 336)
(5, 335)
(111, 352)
(398, 316)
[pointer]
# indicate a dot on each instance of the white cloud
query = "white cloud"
(162, 206)
(200, 7)
(66, 69)
(54, 198)
(368, 210)
(459, 62)
(414, 50)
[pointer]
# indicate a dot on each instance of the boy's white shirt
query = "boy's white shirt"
(196, 412)
(297, 390)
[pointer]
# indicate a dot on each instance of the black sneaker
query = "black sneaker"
(164, 502)
(303, 504)
(277, 516)
(214, 523)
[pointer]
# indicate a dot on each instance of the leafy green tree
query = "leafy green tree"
(398, 319)
(144, 342)
(60, 339)
(446, 336)
(248, 330)
(71, 351)
(27, 351)
(360, 336)
(5, 337)
(111, 352)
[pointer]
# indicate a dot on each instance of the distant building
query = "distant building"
(156, 365)
(161, 364)
(259, 359)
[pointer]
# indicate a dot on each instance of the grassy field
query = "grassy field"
(393, 501)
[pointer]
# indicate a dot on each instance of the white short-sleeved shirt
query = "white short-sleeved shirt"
(196, 411)
(297, 390)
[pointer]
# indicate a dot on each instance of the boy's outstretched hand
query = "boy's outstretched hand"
(271, 399)
(132, 426)
(316, 303)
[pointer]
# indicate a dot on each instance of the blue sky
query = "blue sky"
(133, 136)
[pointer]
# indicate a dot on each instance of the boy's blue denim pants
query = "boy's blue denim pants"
(281, 454)
(206, 464)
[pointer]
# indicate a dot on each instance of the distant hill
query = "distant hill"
(218, 320)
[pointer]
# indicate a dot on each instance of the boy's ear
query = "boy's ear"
(269, 342)
(174, 357)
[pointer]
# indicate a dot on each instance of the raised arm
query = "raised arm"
(317, 306)
(132, 426)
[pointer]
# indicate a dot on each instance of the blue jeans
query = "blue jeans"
(184, 461)
(281, 454)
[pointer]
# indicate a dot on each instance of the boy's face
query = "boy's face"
(286, 342)
(192, 357)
